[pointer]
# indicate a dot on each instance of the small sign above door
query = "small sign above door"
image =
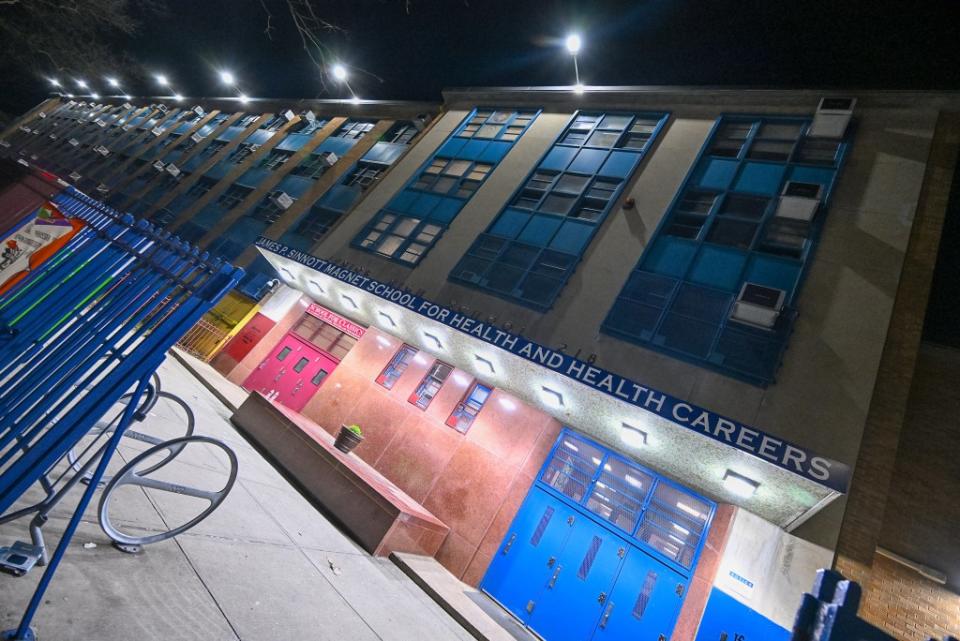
(341, 323)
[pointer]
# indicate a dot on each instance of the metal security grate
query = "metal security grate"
(572, 467)
(645, 592)
(674, 523)
(541, 526)
(589, 558)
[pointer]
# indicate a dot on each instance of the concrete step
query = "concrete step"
(479, 615)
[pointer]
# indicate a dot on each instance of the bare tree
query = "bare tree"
(68, 36)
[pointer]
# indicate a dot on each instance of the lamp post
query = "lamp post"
(573, 43)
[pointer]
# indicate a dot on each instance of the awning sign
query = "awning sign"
(779, 452)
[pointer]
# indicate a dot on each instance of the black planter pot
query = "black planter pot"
(346, 440)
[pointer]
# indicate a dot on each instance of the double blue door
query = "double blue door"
(568, 577)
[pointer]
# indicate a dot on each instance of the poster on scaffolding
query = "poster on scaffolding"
(33, 242)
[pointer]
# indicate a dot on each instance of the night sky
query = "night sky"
(455, 43)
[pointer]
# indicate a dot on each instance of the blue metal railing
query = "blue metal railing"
(90, 323)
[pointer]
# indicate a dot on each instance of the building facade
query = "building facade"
(646, 352)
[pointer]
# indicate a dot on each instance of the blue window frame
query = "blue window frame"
(397, 366)
(663, 518)
(532, 247)
(467, 409)
(733, 230)
(414, 219)
(434, 379)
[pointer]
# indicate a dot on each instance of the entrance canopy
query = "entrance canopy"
(717, 456)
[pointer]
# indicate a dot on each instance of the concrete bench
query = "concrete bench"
(381, 517)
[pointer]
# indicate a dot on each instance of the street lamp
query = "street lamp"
(243, 98)
(162, 80)
(227, 78)
(177, 97)
(54, 82)
(573, 43)
(82, 84)
(339, 72)
(113, 82)
(95, 95)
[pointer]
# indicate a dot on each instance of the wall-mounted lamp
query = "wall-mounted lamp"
(739, 485)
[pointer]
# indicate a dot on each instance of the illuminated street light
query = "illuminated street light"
(95, 95)
(82, 84)
(54, 82)
(162, 80)
(127, 97)
(574, 43)
(339, 72)
(177, 97)
(227, 78)
(243, 98)
(113, 82)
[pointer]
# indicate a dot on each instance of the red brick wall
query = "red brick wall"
(473, 482)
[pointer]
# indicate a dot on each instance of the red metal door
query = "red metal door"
(292, 373)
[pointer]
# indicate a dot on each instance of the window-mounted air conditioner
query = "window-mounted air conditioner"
(162, 108)
(74, 176)
(127, 105)
(199, 111)
(73, 142)
(758, 305)
(102, 188)
(832, 117)
(159, 166)
(100, 122)
(52, 136)
(25, 129)
(4, 144)
(157, 131)
(23, 162)
(310, 117)
(289, 115)
(799, 201)
(172, 169)
(281, 199)
(103, 151)
(330, 159)
(41, 115)
(196, 137)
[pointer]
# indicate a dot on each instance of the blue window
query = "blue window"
(355, 129)
(466, 411)
(718, 281)
(534, 244)
(430, 385)
(414, 219)
(397, 366)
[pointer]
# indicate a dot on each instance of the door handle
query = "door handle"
(506, 548)
(551, 561)
(606, 615)
(553, 579)
(602, 598)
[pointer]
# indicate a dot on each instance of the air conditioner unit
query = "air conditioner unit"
(196, 137)
(330, 159)
(37, 132)
(758, 305)
(310, 117)
(289, 115)
(23, 162)
(799, 200)
(162, 108)
(73, 142)
(832, 117)
(100, 122)
(281, 199)
(41, 115)
(25, 129)
(102, 188)
(103, 151)
(173, 170)
(4, 144)
(159, 166)
(127, 127)
(127, 105)
(74, 176)
(199, 111)
(157, 131)
(52, 136)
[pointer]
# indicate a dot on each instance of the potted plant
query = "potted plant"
(348, 438)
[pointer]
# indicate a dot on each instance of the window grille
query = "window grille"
(397, 366)
(431, 384)
(467, 409)
(324, 336)
(355, 129)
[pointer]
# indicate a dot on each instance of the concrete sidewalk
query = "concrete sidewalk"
(266, 565)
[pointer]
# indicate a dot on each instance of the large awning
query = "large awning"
(691, 444)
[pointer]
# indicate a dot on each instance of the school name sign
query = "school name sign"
(777, 451)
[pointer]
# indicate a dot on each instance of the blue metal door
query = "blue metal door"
(580, 583)
(645, 602)
(522, 566)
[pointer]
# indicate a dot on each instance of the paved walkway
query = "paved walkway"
(265, 566)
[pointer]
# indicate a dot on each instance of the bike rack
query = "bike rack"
(84, 331)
